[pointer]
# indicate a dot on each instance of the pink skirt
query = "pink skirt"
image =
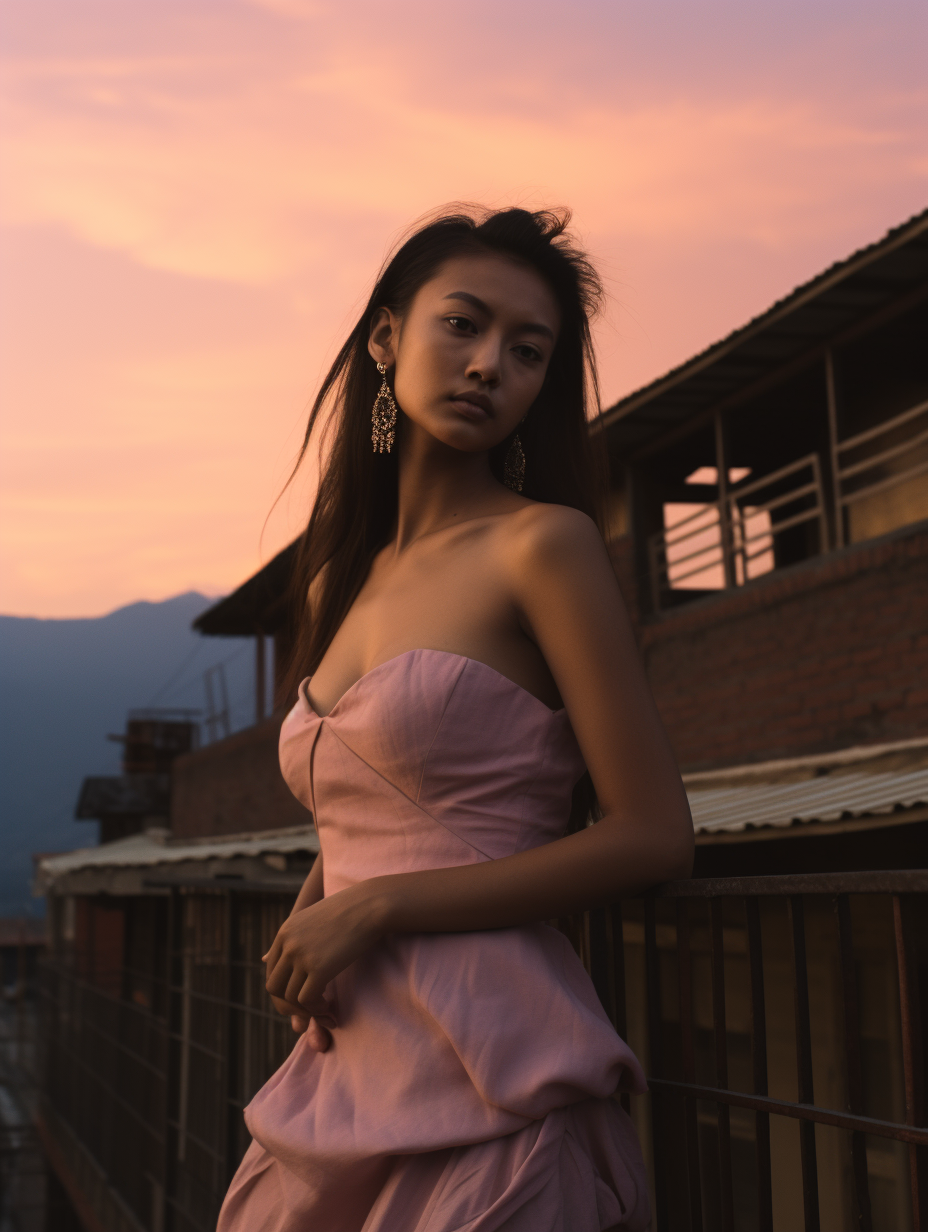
(566, 1173)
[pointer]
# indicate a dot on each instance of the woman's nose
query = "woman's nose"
(484, 363)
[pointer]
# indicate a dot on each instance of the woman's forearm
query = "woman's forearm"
(595, 866)
(311, 890)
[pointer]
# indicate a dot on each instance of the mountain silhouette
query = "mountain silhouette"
(64, 686)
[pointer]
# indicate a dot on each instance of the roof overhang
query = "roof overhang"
(876, 279)
(258, 606)
(153, 859)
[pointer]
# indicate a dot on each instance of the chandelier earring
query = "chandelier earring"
(514, 466)
(383, 416)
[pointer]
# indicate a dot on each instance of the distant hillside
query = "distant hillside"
(64, 685)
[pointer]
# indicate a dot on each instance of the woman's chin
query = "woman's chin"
(462, 434)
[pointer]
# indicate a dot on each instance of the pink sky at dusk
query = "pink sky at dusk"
(196, 196)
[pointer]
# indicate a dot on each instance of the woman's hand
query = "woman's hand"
(312, 946)
(316, 1032)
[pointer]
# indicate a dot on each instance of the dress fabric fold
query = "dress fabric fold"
(472, 1078)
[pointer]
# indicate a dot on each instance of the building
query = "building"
(769, 529)
(139, 798)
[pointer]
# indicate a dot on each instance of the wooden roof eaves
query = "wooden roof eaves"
(257, 606)
(803, 295)
(680, 424)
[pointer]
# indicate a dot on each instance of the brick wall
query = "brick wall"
(819, 656)
(232, 786)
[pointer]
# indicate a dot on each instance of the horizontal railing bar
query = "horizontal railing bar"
(894, 881)
(783, 499)
(806, 515)
(206, 998)
(88, 1023)
(156, 1024)
(186, 1132)
(889, 482)
(703, 510)
(882, 428)
(694, 572)
(747, 557)
(664, 547)
(681, 577)
(736, 491)
(867, 463)
(681, 560)
(95, 1076)
(662, 542)
(799, 1112)
(188, 1042)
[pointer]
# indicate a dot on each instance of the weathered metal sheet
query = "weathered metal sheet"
(832, 797)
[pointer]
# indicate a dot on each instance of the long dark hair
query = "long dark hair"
(355, 510)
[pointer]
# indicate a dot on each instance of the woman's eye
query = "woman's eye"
(524, 351)
(462, 324)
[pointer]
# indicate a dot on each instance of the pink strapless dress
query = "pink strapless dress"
(471, 1081)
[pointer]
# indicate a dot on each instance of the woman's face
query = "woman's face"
(470, 354)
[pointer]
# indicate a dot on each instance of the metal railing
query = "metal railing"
(722, 987)
(147, 1073)
(680, 553)
(848, 472)
(702, 1072)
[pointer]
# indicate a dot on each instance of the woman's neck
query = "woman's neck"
(440, 486)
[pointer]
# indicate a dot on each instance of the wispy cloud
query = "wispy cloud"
(195, 197)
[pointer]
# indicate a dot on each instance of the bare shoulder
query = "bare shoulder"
(542, 536)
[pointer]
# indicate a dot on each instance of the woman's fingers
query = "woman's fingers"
(284, 1008)
(299, 1023)
(295, 985)
(279, 975)
(273, 953)
(301, 991)
(311, 998)
(318, 1037)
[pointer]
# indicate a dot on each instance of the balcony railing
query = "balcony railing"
(778, 1018)
(721, 541)
(882, 457)
(704, 984)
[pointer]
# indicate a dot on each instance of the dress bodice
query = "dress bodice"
(429, 760)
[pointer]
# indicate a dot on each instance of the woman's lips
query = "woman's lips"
(470, 410)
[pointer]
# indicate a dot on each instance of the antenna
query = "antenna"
(217, 703)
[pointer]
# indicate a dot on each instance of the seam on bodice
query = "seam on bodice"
(312, 777)
(415, 804)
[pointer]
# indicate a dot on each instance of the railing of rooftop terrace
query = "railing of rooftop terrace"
(147, 1074)
(718, 543)
(694, 1180)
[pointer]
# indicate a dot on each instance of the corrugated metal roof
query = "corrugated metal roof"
(832, 797)
(152, 848)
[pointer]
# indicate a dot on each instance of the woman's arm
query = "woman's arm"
(311, 890)
(566, 597)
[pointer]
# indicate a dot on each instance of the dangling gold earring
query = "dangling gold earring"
(383, 416)
(514, 466)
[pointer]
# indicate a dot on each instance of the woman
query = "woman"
(466, 655)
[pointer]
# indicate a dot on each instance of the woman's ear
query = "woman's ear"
(384, 329)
